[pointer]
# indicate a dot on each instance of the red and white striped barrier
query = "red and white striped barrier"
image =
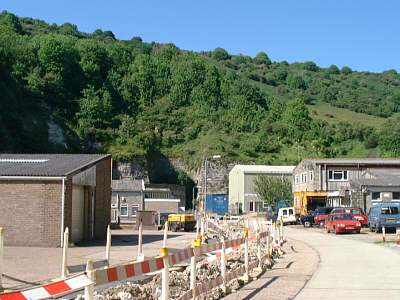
(180, 256)
(50, 290)
(129, 270)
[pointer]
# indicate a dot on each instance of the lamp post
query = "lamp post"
(205, 180)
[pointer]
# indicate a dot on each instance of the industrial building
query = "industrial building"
(242, 195)
(42, 194)
(345, 182)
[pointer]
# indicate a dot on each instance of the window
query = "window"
(134, 209)
(123, 211)
(304, 178)
(335, 175)
(284, 212)
(291, 212)
(376, 195)
(296, 179)
(396, 196)
(311, 175)
(390, 210)
(265, 204)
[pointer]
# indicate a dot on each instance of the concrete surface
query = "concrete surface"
(351, 267)
(29, 266)
(287, 277)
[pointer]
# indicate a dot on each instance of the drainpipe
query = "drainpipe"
(62, 210)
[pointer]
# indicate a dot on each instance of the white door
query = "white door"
(78, 196)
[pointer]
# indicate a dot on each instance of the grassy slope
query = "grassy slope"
(331, 114)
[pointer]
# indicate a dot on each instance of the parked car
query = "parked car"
(287, 214)
(357, 212)
(307, 220)
(384, 214)
(321, 214)
(342, 223)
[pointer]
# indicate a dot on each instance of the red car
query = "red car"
(321, 214)
(342, 223)
(358, 214)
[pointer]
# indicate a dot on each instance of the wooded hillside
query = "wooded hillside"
(100, 94)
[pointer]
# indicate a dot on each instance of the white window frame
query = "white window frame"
(333, 172)
(132, 206)
(296, 179)
(265, 204)
(304, 177)
(311, 176)
(127, 210)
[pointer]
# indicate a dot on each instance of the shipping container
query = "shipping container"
(217, 203)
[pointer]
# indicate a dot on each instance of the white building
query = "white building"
(242, 195)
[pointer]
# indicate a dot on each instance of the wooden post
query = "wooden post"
(89, 290)
(1, 256)
(195, 244)
(383, 234)
(246, 278)
(140, 255)
(64, 269)
(165, 270)
(202, 230)
(108, 245)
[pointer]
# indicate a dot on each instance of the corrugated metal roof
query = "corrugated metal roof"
(365, 161)
(127, 185)
(46, 165)
(264, 169)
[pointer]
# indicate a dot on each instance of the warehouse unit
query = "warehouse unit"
(242, 195)
(42, 194)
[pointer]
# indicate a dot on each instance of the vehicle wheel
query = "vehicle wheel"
(174, 227)
(328, 231)
(358, 231)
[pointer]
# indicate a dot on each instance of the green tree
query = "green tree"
(220, 54)
(297, 117)
(262, 58)
(390, 138)
(272, 188)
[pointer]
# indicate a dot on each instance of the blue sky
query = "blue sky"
(362, 34)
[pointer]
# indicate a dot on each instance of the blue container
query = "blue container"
(217, 203)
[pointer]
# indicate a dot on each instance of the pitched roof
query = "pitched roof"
(46, 165)
(264, 169)
(127, 185)
(355, 161)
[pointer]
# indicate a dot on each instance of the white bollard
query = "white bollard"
(383, 234)
(1, 257)
(165, 270)
(108, 245)
(281, 231)
(64, 270)
(89, 290)
(140, 255)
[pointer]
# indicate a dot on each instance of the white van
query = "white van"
(287, 214)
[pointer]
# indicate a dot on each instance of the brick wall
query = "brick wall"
(103, 198)
(30, 212)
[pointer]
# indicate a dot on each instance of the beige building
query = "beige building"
(242, 195)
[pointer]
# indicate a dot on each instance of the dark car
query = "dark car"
(307, 220)
(321, 215)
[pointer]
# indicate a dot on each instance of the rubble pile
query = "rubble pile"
(180, 280)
